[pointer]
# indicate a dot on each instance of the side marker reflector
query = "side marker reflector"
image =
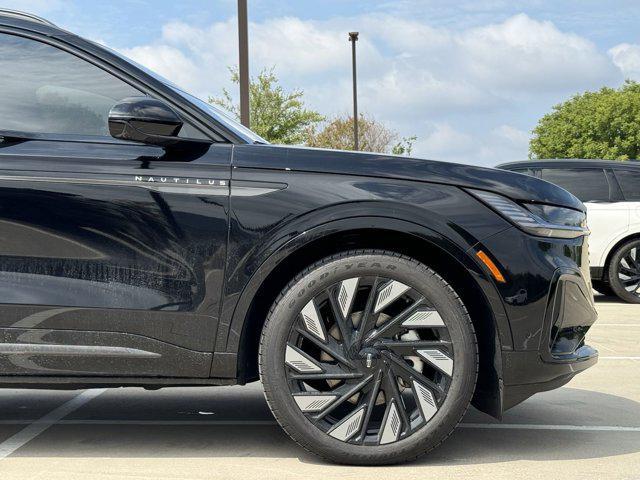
(484, 258)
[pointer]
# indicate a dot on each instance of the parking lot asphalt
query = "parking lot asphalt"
(587, 429)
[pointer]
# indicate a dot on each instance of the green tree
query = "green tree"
(404, 146)
(373, 136)
(276, 115)
(603, 124)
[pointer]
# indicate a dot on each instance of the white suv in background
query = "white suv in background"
(611, 192)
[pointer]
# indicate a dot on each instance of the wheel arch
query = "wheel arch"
(427, 246)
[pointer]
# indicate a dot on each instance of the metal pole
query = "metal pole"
(353, 38)
(243, 44)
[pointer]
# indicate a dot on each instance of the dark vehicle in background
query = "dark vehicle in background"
(611, 192)
(148, 240)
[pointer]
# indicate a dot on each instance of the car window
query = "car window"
(525, 171)
(588, 184)
(218, 114)
(629, 181)
(46, 90)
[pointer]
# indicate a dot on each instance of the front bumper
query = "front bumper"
(548, 302)
(541, 375)
(562, 353)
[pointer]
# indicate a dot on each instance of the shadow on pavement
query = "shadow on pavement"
(163, 439)
(609, 299)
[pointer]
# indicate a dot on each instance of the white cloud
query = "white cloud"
(500, 144)
(166, 60)
(415, 90)
(511, 135)
(523, 53)
(420, 79)
(504, 143)
(626, 57)
(444, 140)
(400, 58)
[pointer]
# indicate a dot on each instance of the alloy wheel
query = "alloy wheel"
(629, 271)
(369, 360)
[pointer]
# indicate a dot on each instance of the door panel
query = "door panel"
(111, 245)
(49, 352)
(607, 222)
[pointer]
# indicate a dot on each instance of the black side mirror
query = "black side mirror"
(145, 120)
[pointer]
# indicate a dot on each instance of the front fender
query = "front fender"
(276, 249)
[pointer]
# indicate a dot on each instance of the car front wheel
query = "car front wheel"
(368, 357)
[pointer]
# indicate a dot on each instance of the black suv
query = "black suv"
(148, 240)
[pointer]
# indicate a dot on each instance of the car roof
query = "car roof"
(22, 19)
(569, 163)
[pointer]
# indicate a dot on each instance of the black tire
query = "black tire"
(603, 288)
(624, 272)
(285, 322)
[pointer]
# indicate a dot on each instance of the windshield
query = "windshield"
(217, 114)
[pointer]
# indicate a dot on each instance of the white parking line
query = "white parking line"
(598, 324)
(187, 423)
(573, 428)
(210, 423)
(34, 429)
(619, 358)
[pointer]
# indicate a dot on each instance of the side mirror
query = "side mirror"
(145, 120)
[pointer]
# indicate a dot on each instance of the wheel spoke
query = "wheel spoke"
(392, 393)
(327, 376)
(346, 295)
(327, 371)
(628, 272)
(314, 402)
(630, 280)
(370, 404)
(348, 426)
(344, 393)
(628, 262)
(404, 348)
(408, 373)
(312, 322)
(425, 399)
(633, 254)
(367, 316)
(632, 287)
(346, 330)
(438, 359)
(330, 347)
(391, 424)
(392, 291)
(300, 361)
(393, 326)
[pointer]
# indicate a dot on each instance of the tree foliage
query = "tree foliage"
(404, 146)
(276, 115)
(373, 136)
(603, 124)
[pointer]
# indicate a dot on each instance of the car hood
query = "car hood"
(513, 185)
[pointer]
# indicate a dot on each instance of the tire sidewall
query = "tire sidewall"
(285, 313)
(614, 281)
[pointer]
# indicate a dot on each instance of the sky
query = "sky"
(469, 78)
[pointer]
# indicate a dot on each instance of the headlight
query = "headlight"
(537, 219)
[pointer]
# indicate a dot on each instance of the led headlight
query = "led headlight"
(538, 219)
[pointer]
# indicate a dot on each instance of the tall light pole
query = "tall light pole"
(353, 38)
(243, 45)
